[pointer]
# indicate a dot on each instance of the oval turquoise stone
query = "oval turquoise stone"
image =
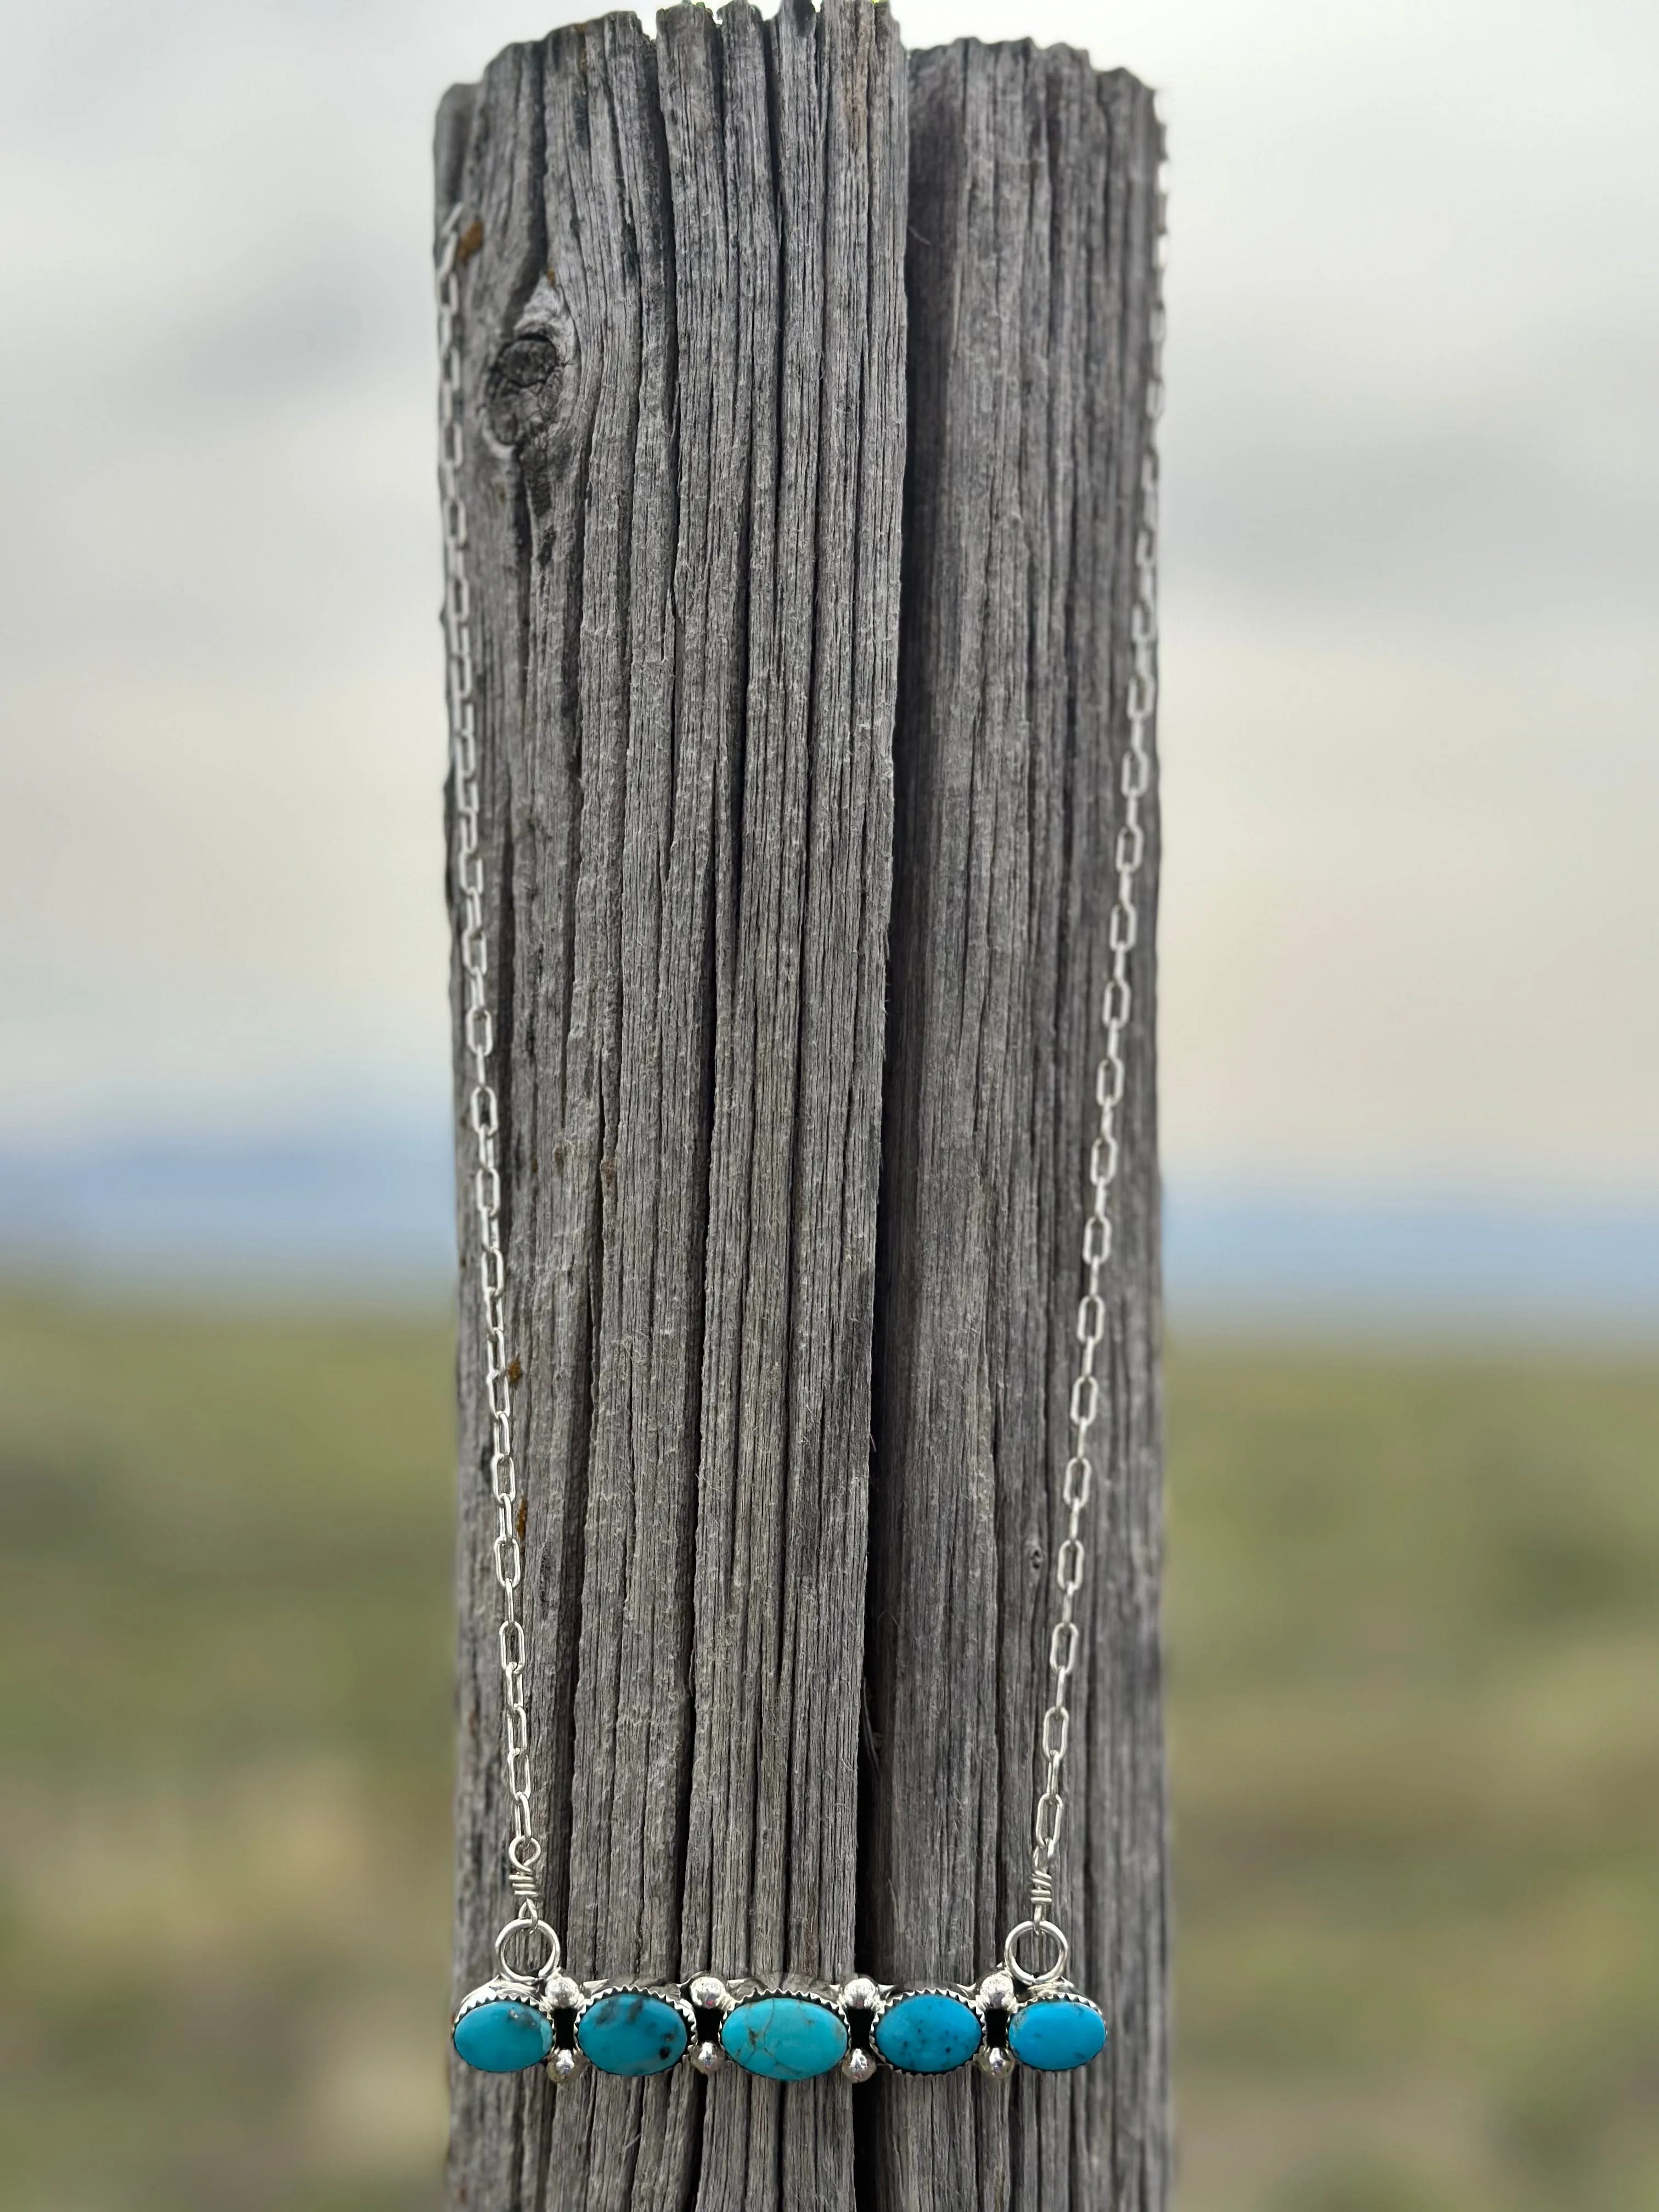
(503, 2037)
(786, 2038)
(1054, 2033)
(628, 2032)
(927, 2033)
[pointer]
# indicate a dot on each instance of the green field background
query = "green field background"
(1413, 1634)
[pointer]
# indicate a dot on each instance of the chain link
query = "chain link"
(525, 1851)
(1123, 932)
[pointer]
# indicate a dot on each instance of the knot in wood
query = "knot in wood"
(527, 387)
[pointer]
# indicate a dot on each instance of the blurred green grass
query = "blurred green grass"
(1414, 1620)
(1414, 1631)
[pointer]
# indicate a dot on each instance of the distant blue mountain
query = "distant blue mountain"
(364, 1214)
(1412, 1265)
(370, 1215)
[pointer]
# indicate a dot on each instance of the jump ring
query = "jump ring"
(528, 1924)
(1023, 1974)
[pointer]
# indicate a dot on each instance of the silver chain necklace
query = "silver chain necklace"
(532, 2012)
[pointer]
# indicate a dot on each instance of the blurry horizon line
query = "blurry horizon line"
(365, 1216)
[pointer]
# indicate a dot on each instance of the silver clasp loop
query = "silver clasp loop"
(528, 1924)
(1025, 1975)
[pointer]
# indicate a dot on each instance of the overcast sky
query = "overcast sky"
(1411, 932)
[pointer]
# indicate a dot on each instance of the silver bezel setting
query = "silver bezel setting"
(1061, 1993)
(666, 1993)
(504, 1991)
(499, 1991)
(827, 1995)
(895, 1997)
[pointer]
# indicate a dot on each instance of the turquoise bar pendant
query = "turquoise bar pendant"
(796, 2032)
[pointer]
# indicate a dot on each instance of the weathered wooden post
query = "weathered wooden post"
(793, 1137)
(1033, 184)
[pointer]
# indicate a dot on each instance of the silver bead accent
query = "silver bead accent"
(858, 2066)
(861, 1995)
(709, 1994)
(561, 2064)
(708, 2058)
(996, 2060)
(997, 1992)
(563, 1994)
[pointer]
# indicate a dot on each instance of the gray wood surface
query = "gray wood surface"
(1031, 206)
(686, 367)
